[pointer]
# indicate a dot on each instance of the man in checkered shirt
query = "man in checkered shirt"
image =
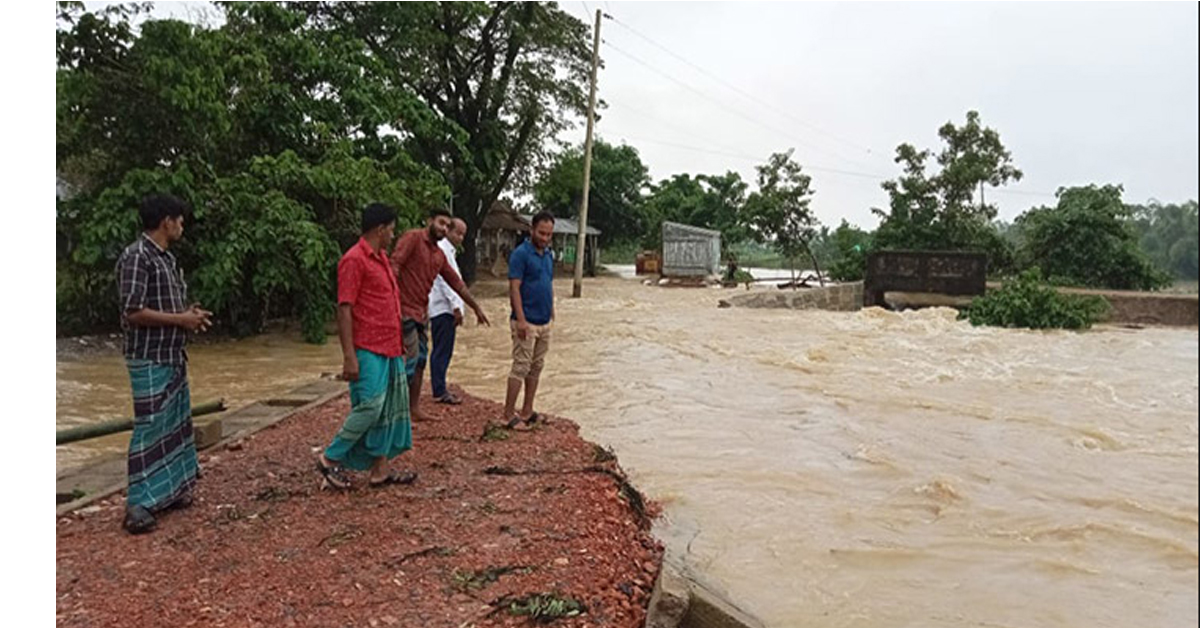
(157, 319)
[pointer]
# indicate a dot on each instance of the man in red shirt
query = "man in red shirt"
(368, 315)
(418, 260)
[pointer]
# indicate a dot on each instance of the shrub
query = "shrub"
(1029, 302)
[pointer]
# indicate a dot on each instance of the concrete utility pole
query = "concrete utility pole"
(577, 290)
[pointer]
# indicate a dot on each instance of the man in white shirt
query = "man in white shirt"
(445, 315)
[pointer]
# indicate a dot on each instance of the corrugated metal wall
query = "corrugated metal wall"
(690, 251)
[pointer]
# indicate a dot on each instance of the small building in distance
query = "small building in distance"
(690, 252)
(504, 229)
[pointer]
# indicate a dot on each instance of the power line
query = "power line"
(625, 107)
(723, 150)
(697, 149)
(866, 175)
(753, 120)
(1022, 192)
(741, 92)
(701, 94)
(849, 173)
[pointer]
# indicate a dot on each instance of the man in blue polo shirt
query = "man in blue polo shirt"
(531, 291)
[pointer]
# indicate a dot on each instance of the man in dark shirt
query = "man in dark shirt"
(531, 293)
(157, 319)
(418, 260)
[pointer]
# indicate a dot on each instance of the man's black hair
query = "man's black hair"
(156, 208)
(377, 214)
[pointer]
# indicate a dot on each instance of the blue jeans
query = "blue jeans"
(442, 328)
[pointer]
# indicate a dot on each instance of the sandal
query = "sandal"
(449, 399)
(335, 476)
(395, 477)
(516, 420)
(138, 520)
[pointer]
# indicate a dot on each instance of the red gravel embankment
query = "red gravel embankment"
(487, 522)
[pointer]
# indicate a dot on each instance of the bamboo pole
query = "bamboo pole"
(104, 428)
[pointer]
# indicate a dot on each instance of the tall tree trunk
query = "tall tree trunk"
(469, 258)
(467, 206)
(816, 266)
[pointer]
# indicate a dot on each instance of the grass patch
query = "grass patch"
(546, 607)
(493, 433)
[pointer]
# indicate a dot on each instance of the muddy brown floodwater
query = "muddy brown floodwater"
(844, 469)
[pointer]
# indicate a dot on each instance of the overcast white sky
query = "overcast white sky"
(1080, 92)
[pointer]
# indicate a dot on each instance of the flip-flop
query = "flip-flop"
(395, 477)
(335, 476)
(517, 420)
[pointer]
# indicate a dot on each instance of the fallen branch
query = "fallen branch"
(396, 561)
(637, 502)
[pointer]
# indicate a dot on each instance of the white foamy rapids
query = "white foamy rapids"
(871, 468)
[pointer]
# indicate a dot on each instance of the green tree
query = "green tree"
(723, 206)
(271, 130)
(1087, 239)
(708, 201)
(501, 79)
(672, 200)
(1167, 233)
(847, 252)
(778, 211)
(946, 210)
(615, 201)
(1011, 234)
